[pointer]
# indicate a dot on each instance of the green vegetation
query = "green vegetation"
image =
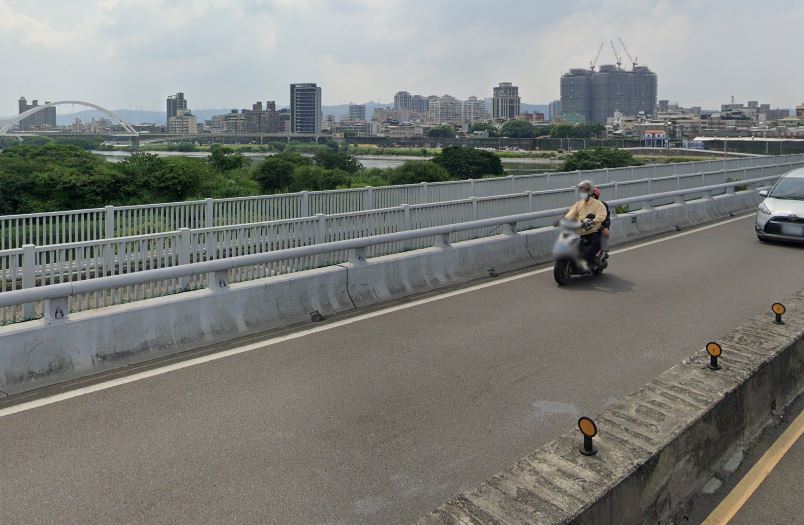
(518, 129)
(468, 163)
(493, 130)
(444, 130)
(576, 131)
(597, 158)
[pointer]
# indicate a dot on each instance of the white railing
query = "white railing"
(32, 265)
(121, 221)
(57, 301)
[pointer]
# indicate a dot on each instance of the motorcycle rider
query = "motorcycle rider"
(590, 227)
(604, 229)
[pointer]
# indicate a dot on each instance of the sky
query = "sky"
(132, 54)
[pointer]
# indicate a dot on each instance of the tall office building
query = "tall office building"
(403, 100)
(595, 96)
(44, 119)
(554, 110)
(505, 102)
(420, 104)
(357, 112)
(175, 104)
(305, 108)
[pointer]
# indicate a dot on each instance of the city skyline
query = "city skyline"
(211, 51)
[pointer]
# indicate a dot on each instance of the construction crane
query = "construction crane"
(617, 57)
(593, 63)
(632, 59)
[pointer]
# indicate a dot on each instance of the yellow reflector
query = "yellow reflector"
(587, 427)
(714, 349)
(778, 308)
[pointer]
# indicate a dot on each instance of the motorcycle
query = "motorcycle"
(568, 252)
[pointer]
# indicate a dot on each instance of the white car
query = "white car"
(780, 217)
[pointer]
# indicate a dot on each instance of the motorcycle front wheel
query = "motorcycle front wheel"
(562, 271)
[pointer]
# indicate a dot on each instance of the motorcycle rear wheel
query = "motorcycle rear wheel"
(562, 272)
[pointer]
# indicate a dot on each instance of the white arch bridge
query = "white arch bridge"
(7, 125)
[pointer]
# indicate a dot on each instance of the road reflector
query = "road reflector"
(778, 309)
(714, 350)
(589, 430)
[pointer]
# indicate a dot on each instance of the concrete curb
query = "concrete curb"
(658, 446)
(35, 353)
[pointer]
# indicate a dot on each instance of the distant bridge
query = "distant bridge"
(7, 125)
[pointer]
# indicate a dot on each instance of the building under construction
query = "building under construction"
(596, 95)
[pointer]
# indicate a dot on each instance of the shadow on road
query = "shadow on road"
(606, 283)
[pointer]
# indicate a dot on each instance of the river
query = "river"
(512, 165)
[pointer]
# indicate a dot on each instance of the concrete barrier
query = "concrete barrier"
(36, 353)
(658, 446)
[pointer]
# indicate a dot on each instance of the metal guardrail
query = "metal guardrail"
(32, 266)
(56, 297)
(120, 221)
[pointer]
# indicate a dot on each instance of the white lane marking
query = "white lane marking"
(22, 407)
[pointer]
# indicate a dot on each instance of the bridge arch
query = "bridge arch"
(6, 126)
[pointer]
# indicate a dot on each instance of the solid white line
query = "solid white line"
(22, 407)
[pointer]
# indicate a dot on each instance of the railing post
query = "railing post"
(305, 204)
(406, 224)
(320, 237)
(616, 190)
(474, 208)
(209, 214)
(509, 228)
(423, 196)
(442, 241)
(109, 221)
(368, 198)
(548, 180)
(608, 176)
(357, 256)
(510, 184)
(472, 188)
(218, 281)
(108, 258)
(184, 255)
(28, 277)
(530, 201)
(56, 309)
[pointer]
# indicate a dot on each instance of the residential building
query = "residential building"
(473, 110)
(183, 123)
(446, 110)
(382, 115)
(420, 105)
(259, 120)
(305, 108)
(175, 103)
(357, 112)
(554, 110)
(44, 119)
(800, 110)
(505, 102)
(403, 100)
(597, 95)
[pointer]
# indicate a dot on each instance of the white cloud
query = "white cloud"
(228, 53)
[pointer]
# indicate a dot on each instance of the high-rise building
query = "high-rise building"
(44, 119)
(305, 108)
(357, 112)
(596, 96)
(446, 110)
(420, 105)
(554, 110)
(800, 110)
(505, 102)
(474, 110)
(175, 103)
(403, 100)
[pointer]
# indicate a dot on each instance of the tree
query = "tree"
(468, 163)
(337, 160)
(493, 130)
(444, 130)
(517, 129)
(316, 178)
(598, 158)
(275, 174)
(295, 158)
(226, 159)
(416, 171)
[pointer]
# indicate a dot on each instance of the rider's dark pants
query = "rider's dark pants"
(591, 245)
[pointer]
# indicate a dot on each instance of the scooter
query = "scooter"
(568, 252)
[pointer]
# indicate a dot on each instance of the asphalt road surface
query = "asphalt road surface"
(382, 419)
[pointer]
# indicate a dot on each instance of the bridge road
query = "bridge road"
(379, 418)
